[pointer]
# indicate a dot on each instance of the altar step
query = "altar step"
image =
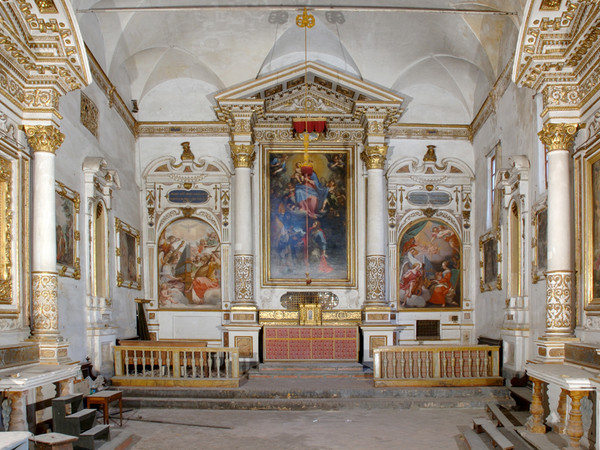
(308, 370)
(314, 394)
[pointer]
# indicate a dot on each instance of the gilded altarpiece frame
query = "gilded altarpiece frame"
(590, 235)
(539, 243)
(315, 200)
(491, 262)
(67, 232)
(127, 250)
(6, 231)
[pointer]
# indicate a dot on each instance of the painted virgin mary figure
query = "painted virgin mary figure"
(310, 193)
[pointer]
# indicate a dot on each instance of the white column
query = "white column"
(374, 158)
(243, 158)
(44, 141)
(558, 139)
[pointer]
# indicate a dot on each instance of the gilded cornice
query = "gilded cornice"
(558, 54)
(489, 105)
(374, 156)
(558, 136)
(114, 98)
(243, 155)
(44, 138)
(377, 116)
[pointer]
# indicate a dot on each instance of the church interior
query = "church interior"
(191, 189)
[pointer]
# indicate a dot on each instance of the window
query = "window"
(493, 159)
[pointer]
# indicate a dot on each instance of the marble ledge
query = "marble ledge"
(30, 376)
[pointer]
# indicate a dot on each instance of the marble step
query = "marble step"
(292, 389)
(305, 403)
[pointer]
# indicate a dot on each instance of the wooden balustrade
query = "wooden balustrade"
(428, 365)
(177, 365)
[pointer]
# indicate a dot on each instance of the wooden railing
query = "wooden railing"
(428, 365)
(177, 365)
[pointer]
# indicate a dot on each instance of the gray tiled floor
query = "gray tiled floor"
(346, 429)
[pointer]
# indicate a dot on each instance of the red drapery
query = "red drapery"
(311, 125)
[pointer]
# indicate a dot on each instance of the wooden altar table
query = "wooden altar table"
(310, 343)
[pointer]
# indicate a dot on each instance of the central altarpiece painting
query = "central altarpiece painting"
(308, 212)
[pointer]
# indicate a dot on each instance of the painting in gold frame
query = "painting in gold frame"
(539, 244)
(6, 294)
(591, 234)
(490, 264)
(429, 266)
(308, 209)
(127, 249)
(67, 231)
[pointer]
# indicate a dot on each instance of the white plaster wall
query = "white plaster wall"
(116, 145)
(514, 123)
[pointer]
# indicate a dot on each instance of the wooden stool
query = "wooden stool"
(103, 399)
(53, 441)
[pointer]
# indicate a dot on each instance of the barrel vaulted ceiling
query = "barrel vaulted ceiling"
(173, 56)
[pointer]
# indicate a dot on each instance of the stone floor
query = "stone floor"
(345, 429)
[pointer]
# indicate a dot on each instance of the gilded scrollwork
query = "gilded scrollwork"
(559, 310)
(243, 266)
(45, 303)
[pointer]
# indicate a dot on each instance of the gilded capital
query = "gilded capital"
(243, 155)
(374, 156)
(558, 136)
(44, 138)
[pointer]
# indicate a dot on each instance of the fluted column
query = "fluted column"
(243, 156)
(374, 159)
(45, 140)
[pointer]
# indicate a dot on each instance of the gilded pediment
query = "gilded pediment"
(312, 98)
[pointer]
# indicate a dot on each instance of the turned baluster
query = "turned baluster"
(575, 427)
(561, 428)
(536, 423)
(402, 365)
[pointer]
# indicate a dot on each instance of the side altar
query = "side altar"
(310, 330)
